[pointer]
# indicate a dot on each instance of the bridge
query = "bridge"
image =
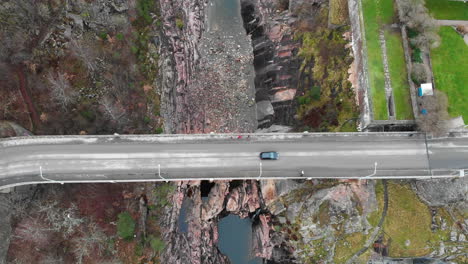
(142, 158)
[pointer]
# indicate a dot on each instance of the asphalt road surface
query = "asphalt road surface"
(147, 158)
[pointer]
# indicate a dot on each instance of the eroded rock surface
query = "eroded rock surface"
(442, 192)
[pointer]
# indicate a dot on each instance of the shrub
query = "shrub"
(88, 115)
(412, 33)
(103, 35)
(144, 9)
(159, 130)
(416, 55)
(156, 244)
(418, 73)
(125, 226)
(179, 23)
(120, 36)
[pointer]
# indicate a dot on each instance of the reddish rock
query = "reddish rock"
(244, 199)
(285, 95)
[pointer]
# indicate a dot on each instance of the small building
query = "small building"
(425, 89)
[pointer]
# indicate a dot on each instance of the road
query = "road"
(177, 157)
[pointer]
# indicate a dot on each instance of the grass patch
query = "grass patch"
(338, 12)
(408, 219)
(125, 226)
(346, 247)
(398, 75)
(323, 216)
(451, 10)
(156, 243)
(376, 14)
(374, 217)
(450, 68)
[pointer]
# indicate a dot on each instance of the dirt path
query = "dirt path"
(26, 98)
(452, 23)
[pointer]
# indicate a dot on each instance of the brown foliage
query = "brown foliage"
(435, 120)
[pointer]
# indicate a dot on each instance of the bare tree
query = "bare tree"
(85, 53)
(52, 259)
(61, 220)
(61, 90)
(435, 120)
(418, 73)
(427, 38)
(415, 15)
(114, 111)
(8, 99)
(33, 229)
(91, 240)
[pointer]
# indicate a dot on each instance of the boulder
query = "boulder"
(264, 109)
(284, 95)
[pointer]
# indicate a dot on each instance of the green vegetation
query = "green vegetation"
(179, 23)
(451, 10)
(416, 55)
(338, 12)
(398, 75)
(347, 246)
(146, 57)
(120, 36)
(156, 243)
(125, 226)
(162, 191)
(374, 217)
(450, 68)
(408, 222)
(323, 216)
(311, 95)
(103, 35)
(327, 101)
(144, 10)
(159, 130)
(376, 14)
(88, 115)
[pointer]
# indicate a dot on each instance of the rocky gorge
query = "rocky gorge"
(217, 76)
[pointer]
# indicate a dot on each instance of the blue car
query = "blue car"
(269, 155)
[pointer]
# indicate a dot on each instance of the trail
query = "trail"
(26, 98)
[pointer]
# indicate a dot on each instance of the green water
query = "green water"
(235, 236)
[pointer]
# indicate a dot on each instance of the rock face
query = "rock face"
(206, 72)
(275, 63)
(442, 192)
(215, 203)
(180, 52)
(199, 243)
(243, 199)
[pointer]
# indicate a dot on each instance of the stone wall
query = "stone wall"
(360, 58)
